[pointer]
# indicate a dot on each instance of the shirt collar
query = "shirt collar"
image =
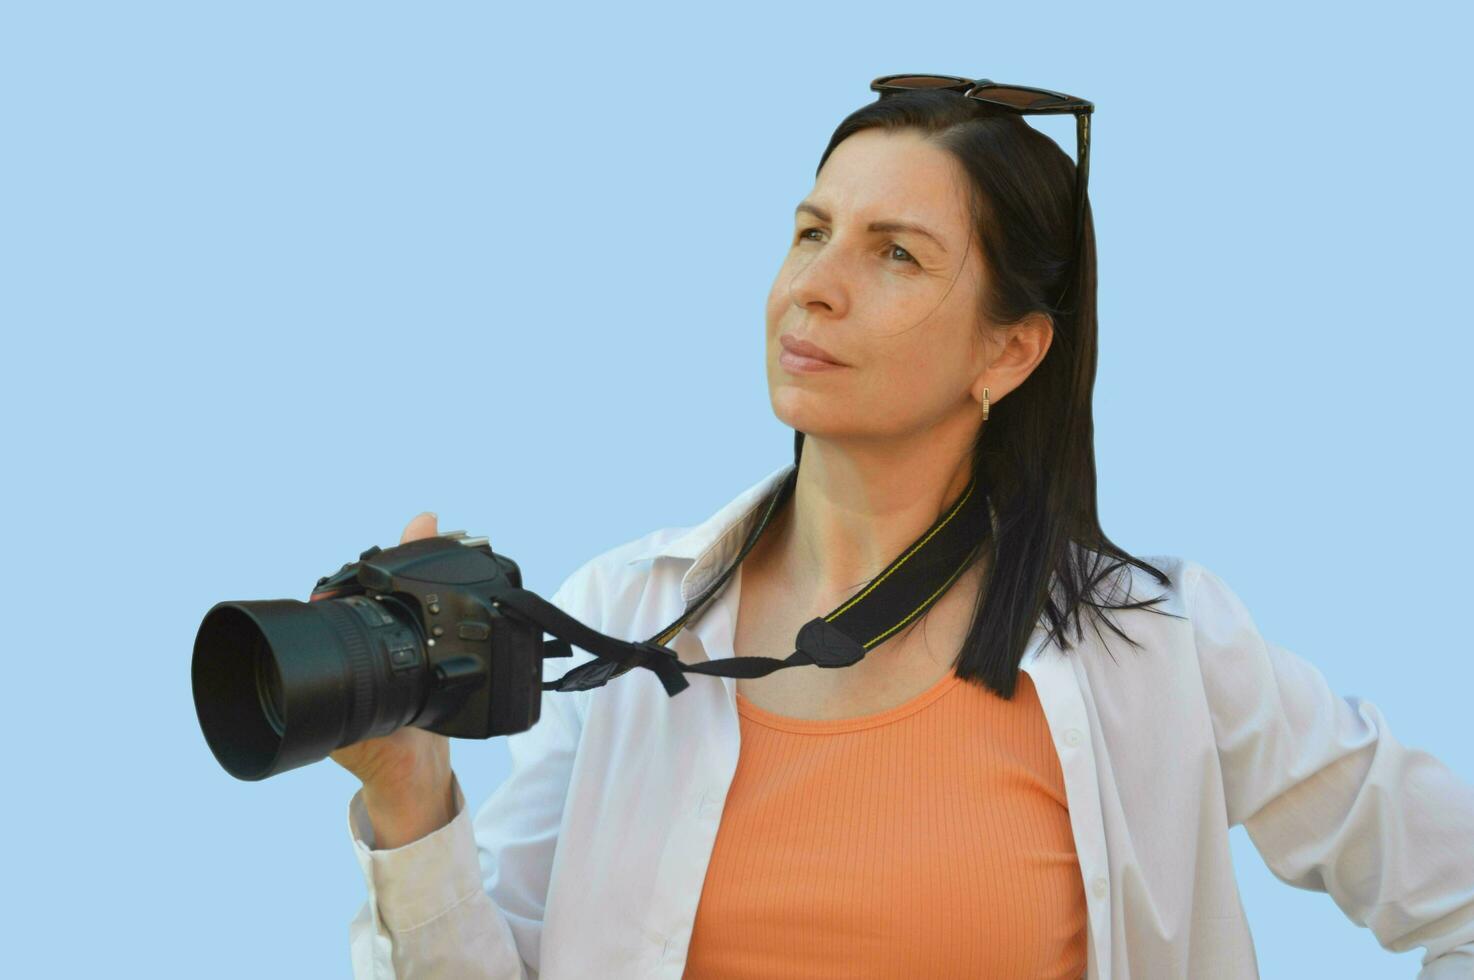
(713, 544)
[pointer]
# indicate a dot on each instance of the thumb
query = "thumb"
(422, 526)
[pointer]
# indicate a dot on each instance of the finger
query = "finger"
(422, 526)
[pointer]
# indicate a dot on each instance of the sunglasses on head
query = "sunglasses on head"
(1024, 100)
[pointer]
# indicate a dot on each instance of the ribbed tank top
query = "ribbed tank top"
(928, 840)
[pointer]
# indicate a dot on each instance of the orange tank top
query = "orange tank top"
(929, 840)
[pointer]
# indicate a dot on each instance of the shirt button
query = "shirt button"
(1101, 886)
(1072, 736)
(709, 804)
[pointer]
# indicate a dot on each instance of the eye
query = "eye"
(891, 247)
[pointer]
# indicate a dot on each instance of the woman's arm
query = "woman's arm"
(1330, 798)
(467, 900)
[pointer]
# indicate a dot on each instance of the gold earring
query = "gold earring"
(985, 404)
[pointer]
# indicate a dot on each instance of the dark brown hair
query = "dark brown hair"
(1035, 455)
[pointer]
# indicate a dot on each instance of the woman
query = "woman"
(992, 791)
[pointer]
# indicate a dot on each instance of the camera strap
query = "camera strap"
(899, 595)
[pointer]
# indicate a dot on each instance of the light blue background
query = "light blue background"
(278, 276)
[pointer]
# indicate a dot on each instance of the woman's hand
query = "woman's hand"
(406, 774)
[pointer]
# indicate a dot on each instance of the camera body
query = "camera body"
(409, 635)
(483, 667)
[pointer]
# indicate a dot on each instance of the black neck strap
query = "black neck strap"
(900, 594)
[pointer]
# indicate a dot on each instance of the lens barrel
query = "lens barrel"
(280, 683)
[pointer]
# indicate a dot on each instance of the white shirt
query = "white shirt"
(589, 860)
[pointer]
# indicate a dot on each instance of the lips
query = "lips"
(804, 348)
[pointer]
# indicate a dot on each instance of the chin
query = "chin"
(801, 409)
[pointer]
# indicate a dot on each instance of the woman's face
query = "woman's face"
(896, 307)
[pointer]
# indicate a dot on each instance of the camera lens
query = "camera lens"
(280, 683)
(268, 689)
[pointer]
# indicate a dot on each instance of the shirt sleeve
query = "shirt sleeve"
(467, 900)
(1330, 798)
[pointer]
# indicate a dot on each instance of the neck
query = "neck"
(854, 511)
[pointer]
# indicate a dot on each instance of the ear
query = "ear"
(1023, 346)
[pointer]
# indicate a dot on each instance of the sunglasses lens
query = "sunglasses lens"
(1018, 98)
(924, 81)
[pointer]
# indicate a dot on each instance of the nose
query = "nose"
(818, 285)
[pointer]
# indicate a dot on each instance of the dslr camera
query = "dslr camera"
(409, 635)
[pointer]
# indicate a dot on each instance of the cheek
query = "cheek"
(927, 370)
(775, 304)
(779, 300)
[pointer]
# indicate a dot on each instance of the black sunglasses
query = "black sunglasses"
(1023, 100)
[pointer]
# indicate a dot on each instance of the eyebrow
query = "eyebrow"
(889, 227)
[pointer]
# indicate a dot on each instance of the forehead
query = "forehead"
(892, 173)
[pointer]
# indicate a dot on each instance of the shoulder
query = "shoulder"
(1174, 615)
(1192, 592)
(1190, 589)
(613, 581)
(1215, 609)
(1241, 671)
(1122, 582)
(1196, 649)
